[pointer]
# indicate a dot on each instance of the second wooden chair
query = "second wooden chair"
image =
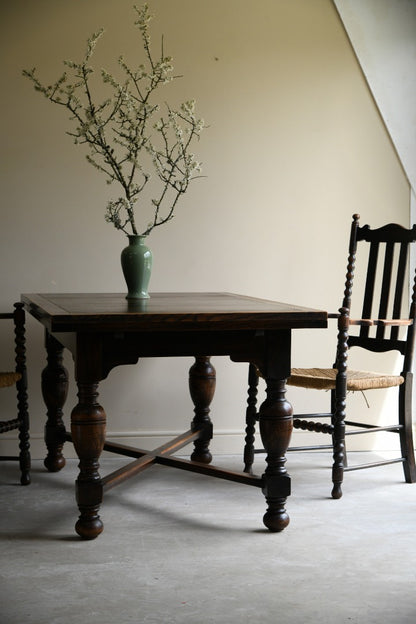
(378, 330)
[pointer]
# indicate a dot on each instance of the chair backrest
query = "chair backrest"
(385, 287)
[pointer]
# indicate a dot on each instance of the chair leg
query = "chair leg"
(406, 433)
(22, 398)
(251, 417)
(24, 453)
(24, 438)
(333, 420)
(338, 444)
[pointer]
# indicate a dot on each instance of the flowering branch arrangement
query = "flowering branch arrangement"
(126, 137)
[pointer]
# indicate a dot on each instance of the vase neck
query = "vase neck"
(136, 238)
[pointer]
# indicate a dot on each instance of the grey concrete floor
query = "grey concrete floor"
(183, 548)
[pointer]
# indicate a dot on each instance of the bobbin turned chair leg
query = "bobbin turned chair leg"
(405, 420)
(251, 418)
(22, 396)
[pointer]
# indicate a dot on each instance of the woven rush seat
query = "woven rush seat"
(9, 379)
(324, 379)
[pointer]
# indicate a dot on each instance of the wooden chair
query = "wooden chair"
(388, 252)
(17, 377)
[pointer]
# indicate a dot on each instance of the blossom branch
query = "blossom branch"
(120, 132)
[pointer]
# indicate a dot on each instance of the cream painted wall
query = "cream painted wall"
(295, 146)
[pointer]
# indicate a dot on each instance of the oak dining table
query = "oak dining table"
(105, 330)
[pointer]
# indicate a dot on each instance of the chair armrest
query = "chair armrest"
(394, 322)
(382, 322)
(361, 322)
(372, 322)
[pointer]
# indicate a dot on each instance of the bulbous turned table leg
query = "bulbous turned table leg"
(54, 392)
(202, 381)
(275, 418)
(88, 424)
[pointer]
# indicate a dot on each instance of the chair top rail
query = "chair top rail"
(391, 232)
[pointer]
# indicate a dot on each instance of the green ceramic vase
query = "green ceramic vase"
(136, 262)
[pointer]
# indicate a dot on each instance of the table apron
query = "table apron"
(104, 351)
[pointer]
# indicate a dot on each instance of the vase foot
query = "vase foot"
(137, 297)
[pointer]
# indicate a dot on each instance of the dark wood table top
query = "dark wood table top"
(71, 312)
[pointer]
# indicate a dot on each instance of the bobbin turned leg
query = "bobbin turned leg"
(251, 418)
(22, 398)
(275, 419)
(54, 392)
(406, 437)
(340, 404)
(202, 387)
(88, 423)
